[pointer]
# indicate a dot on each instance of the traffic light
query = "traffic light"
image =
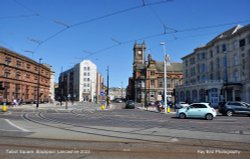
(1, 86)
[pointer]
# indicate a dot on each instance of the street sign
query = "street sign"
(102, 93)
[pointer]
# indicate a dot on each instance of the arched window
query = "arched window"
(18, 75)
(7, 73)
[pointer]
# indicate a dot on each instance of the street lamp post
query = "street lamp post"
(107, 86)
(166, 57)
(38, 84)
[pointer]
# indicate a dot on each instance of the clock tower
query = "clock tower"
(139, 54)
(139, 72)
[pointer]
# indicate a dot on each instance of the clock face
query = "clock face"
(139, 52)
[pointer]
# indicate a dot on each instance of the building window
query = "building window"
(7, 73)
(160, 83)
(186, 63)
(198, 68)
(169, 83)
(18, 75)
(186, 73)
(203, 68)
(235, 60)
(242, 42)
(152, 83)
(243, 64)
(192, 61)
(88, 68)
(211, 76)
(211, 66)
(18, 63)
(28, 76)
(218, 75)
(198, 56)
(7, 60)
(248, 38)
(217, 49)
(192, 71)
(218, 63)
(152, 73)
(203, 55)
(224, 48)
(203, 78)
(235, 44)
(198, 78)
(236, 76)
(211, 54)
(28, 66)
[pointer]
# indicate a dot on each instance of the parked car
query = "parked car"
(117, 100)
(130, 104)
(197, 110)
(180, 105)
(230, 108)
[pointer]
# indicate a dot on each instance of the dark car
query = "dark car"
(230, 108)
(130, 104)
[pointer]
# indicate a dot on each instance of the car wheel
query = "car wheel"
(209, 117)
(229, 113)
(182, 116)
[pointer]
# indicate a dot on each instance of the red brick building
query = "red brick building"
(19, 77)
(147, 84)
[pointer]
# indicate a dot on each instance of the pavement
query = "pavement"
(70, 106)
(45, 106)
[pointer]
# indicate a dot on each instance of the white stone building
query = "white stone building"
(80, 82)
(218, 71)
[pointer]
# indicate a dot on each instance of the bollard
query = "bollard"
(102, 107)
(4, 107)
(168, 110)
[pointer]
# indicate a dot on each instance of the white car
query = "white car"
(197, 110)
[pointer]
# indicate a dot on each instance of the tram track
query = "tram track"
(98, 131)
(134, 135)
(172, 124)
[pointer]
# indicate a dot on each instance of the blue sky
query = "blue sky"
(25, 23)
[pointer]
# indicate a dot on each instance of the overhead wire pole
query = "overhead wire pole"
(166, 107)
(107, 87)
(38, 85)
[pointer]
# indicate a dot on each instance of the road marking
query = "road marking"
(16, 126)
